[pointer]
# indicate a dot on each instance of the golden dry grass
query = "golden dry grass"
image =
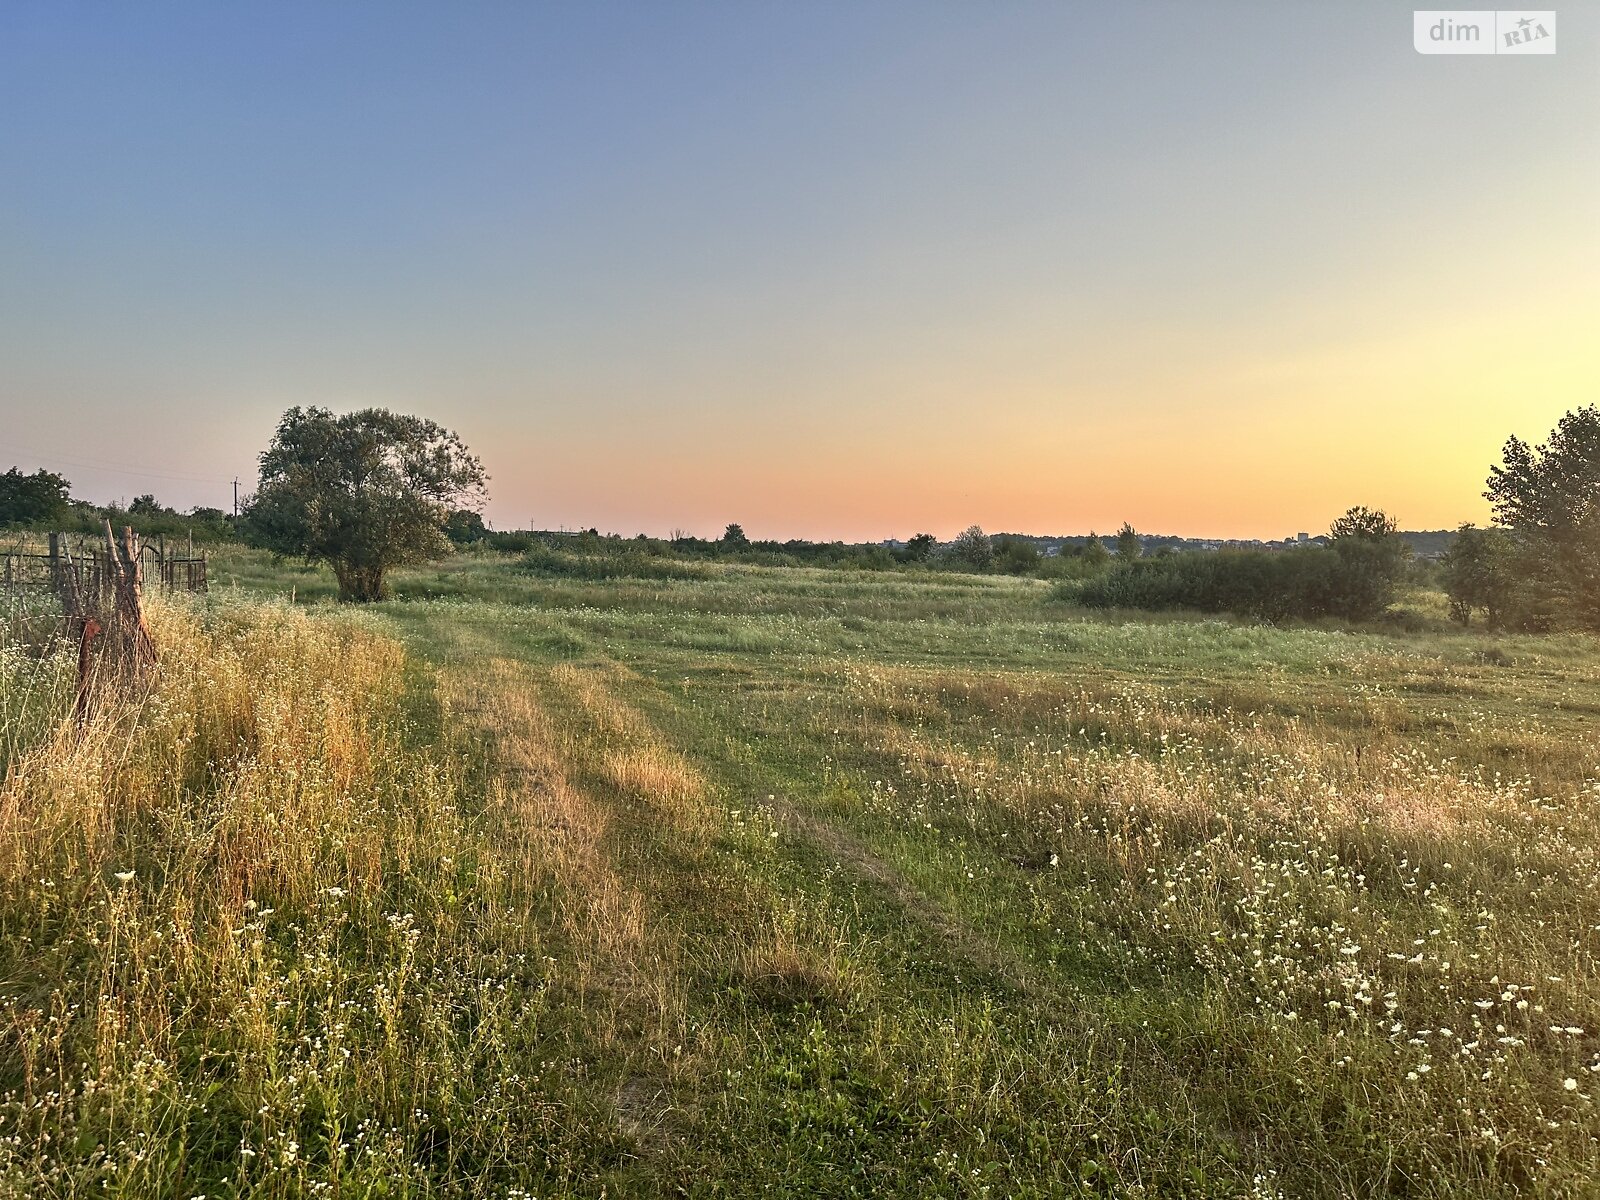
(545, 823)
(253, 941)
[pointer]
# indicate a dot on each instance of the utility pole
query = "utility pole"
(235, 497)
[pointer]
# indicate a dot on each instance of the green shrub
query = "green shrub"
(1015, 556)
(1272, 585)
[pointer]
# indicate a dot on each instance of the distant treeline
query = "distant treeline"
(591, 554)
(43, 502)
(1539, 569)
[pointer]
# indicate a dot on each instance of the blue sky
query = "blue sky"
(829, 270)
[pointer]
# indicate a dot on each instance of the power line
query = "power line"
(73, 462)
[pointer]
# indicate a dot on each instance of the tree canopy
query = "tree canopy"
(1548, 496)
(1361, 522)
(1478, 575)
(364, 492)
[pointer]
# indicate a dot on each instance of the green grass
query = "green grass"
(932, 885)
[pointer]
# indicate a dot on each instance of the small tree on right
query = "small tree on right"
(1372, 562)
(1479, 573)
(1548, 497)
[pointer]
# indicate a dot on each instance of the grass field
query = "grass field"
(804, 883)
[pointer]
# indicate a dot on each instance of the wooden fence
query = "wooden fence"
(99, 591)
(80, 570)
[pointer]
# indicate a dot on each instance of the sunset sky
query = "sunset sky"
(830, 270)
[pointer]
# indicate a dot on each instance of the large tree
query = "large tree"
(365, 492)
(1548, 496)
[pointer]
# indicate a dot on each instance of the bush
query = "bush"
(1015, 556)
(1272, 585)
(971, 551)
(1079, 564)
(514, 542)
(1372, 562)
(871, 558)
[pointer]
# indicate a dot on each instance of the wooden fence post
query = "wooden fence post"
(90, 629)
(133, 635)
(69, 587)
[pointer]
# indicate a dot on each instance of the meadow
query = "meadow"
(792, 882)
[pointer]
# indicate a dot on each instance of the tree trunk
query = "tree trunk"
(360, 585)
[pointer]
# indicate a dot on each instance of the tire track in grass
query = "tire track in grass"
(547, 823)
(959, 940)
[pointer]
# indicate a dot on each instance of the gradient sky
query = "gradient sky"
(831, 270)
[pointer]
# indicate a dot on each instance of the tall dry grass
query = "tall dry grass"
(245, 945)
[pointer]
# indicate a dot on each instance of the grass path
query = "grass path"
(856, 925)
(742, 958)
